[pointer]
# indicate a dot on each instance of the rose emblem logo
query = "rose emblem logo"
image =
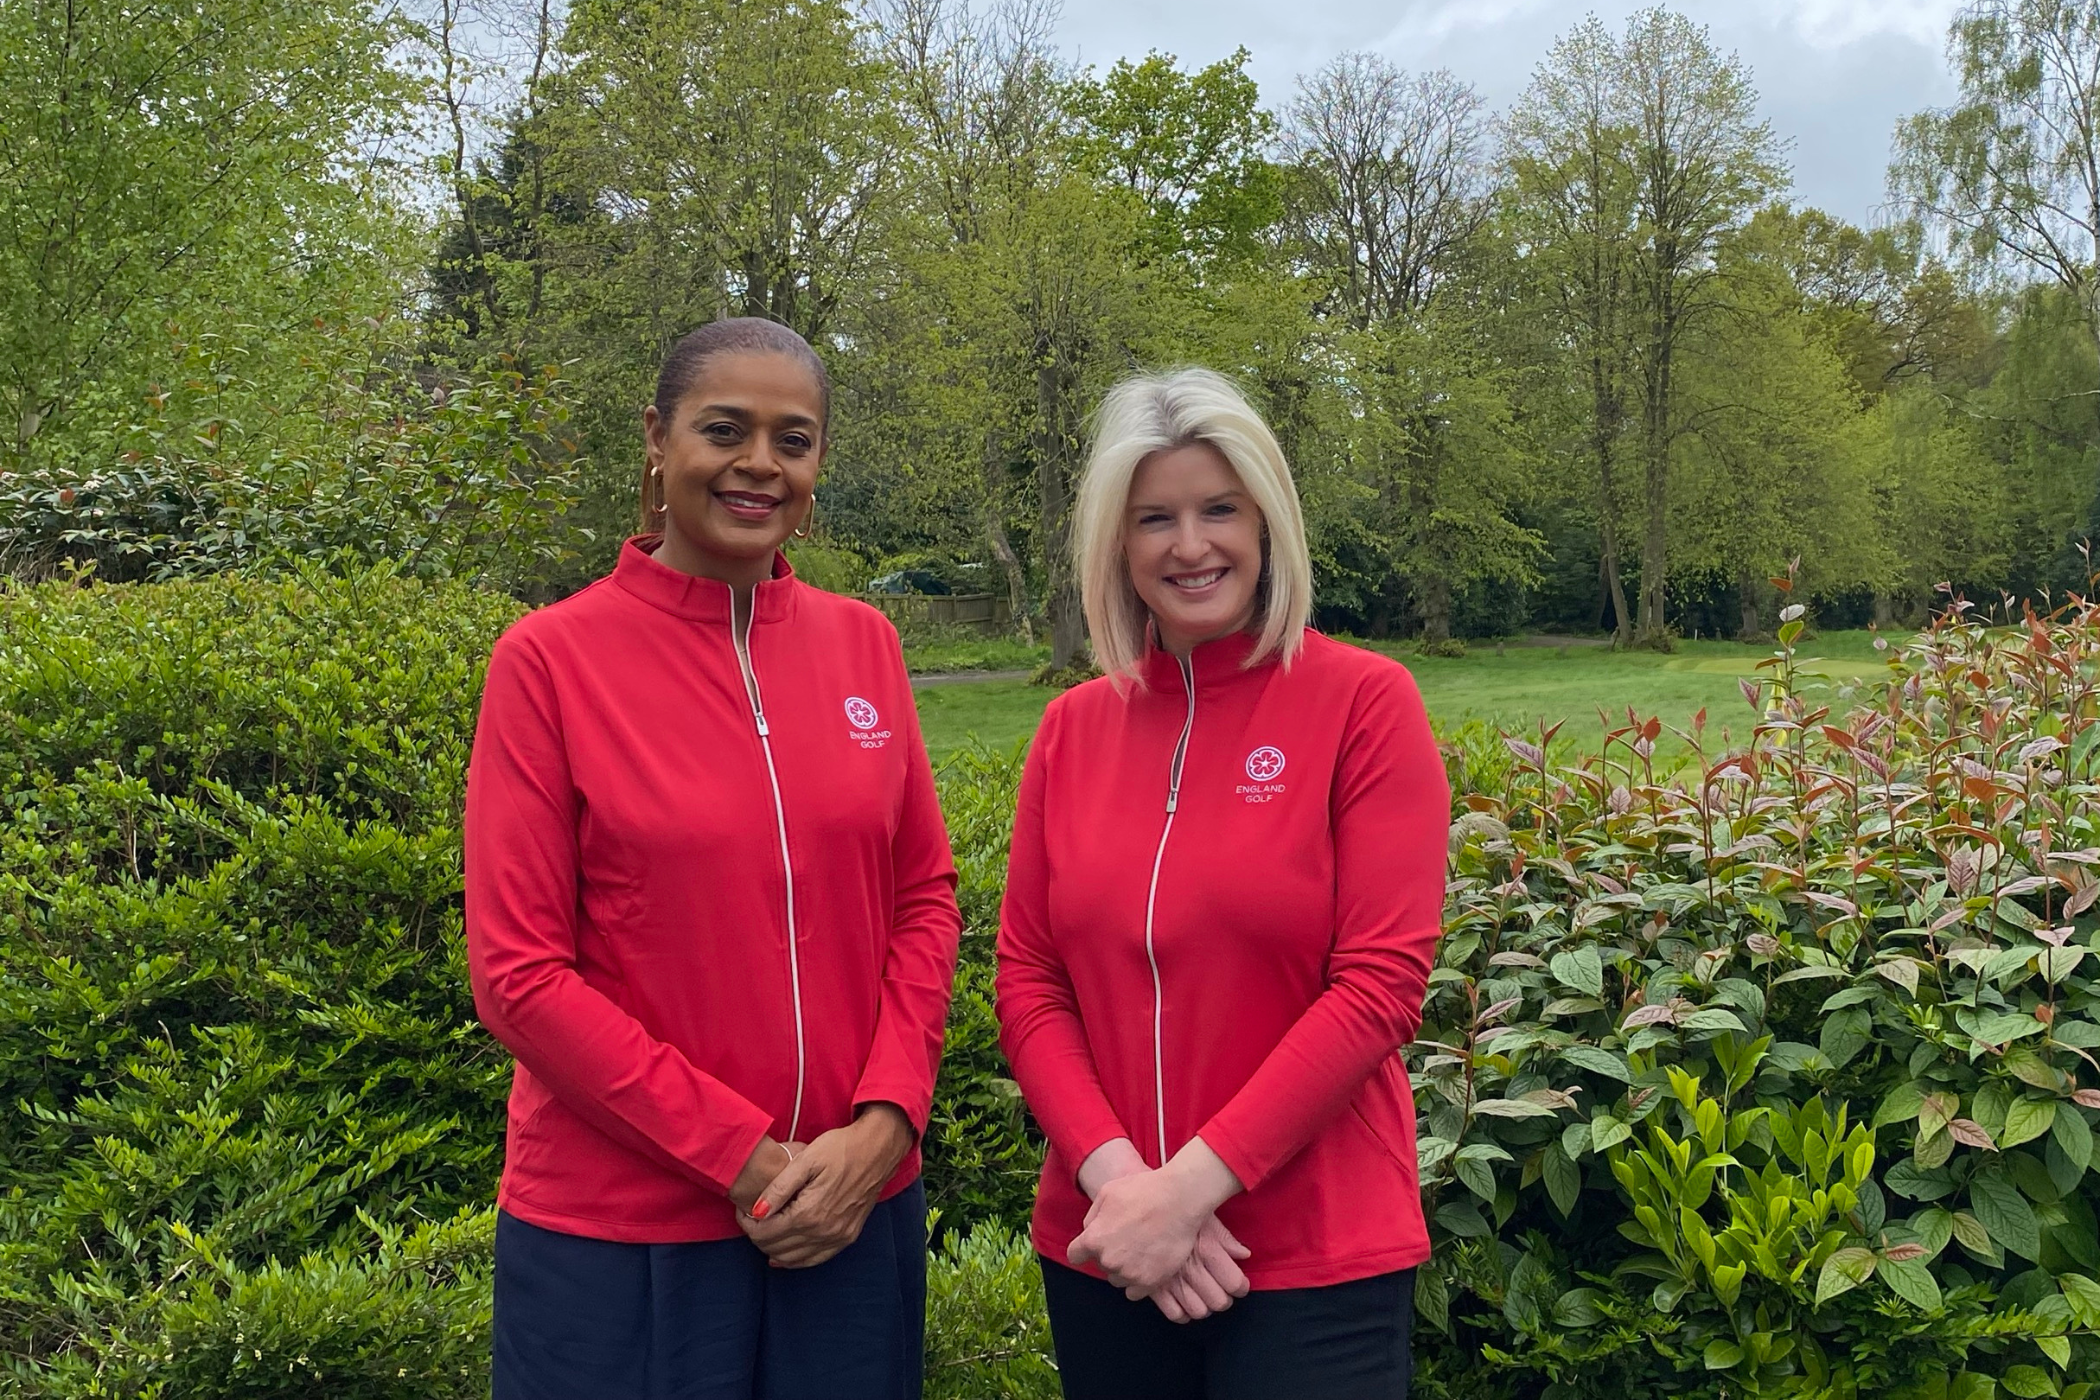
(860, 714)
(1265, 764)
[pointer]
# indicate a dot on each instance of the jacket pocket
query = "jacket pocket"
(1385, 1108)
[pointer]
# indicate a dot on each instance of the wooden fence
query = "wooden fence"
(988, 612)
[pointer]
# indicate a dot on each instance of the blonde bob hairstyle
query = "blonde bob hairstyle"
(1152, 413)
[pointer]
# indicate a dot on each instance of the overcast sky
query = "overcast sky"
(1833, 75)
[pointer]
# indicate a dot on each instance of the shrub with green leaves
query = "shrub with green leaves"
(987, 1334)
(1775, 1074)
(983, 1153)
(251, 1127)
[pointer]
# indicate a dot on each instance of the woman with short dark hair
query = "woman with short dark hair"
(711, 911)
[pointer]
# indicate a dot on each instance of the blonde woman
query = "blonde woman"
(1226, 884)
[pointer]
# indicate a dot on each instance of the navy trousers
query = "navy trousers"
(584, 1319)
(1343, 1341)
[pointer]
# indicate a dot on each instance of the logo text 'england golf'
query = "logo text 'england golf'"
(1265, 764)
(860, 714)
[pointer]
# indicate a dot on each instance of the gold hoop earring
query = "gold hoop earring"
(662, 503)
(808, 519)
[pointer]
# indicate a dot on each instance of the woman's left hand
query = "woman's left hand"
(1143, 1227)
(820, 1200)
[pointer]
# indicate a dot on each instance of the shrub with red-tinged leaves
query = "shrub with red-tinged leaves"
(1888, 911)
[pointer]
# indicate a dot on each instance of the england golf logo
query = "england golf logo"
(862, 719)
(1265, 764)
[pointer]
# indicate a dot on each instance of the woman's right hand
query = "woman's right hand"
(1212, 1279)
(765, 1162)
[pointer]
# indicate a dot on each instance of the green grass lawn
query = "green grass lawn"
(1511, 689)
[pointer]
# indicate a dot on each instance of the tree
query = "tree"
(1701, 164)
(1044, 271)
(1772, 462)
(2010, 175)
(1389, 181)
(983, 114)
(1438, 460)
(1388, 195)
(211, 167)
(1190, 146)
(672, 163)
(739, 152)
(1567, 149)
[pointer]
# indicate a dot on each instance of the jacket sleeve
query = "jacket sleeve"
(522, 881)
(918, 971)
(1391, 814)
(1039, 1023)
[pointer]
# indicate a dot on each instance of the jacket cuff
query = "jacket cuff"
(1098, 1137)
(1219, 1137)
(913, 1099)
(724, 1166)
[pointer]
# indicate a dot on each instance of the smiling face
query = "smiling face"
(739, 459)
(1192, 540)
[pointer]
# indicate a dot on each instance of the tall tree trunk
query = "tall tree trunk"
(1604, 433)
(1002, 545)
(1054, 487)
(1884, 610)
(1655, 414)
(1433, 602)
(1747, 602)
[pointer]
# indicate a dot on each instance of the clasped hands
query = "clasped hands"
(804, 1202)
(1156, 1234)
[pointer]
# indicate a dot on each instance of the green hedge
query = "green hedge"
(1774, 1074)
(249, 1128)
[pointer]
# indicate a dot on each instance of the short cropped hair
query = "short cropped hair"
(733, 335)
(1153, 413)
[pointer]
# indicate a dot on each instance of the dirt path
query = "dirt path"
(968, 677)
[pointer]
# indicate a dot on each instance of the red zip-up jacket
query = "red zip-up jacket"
(1224, 894)
(693, 919)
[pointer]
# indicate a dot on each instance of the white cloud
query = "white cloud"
(1834, 23)
(1437, 20)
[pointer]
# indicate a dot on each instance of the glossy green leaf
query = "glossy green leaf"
(1581, 969)
(1844, 1271)
(2026, 1120)
(2027, 1382)
(1597, 1060)
(1563, 1178)
(1911, 1281)
(2005, 1214)
(1722, 1354)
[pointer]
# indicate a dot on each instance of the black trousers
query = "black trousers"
(584, 1319)
(1344, 1341)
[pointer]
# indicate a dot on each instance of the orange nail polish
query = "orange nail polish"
(761, 1211)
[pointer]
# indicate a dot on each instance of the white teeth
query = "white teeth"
(1193, 581)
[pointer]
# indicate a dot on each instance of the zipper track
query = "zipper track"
(787, 869)
(1181, 752)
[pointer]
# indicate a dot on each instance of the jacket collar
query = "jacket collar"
(698, 599)
(1211, 662)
